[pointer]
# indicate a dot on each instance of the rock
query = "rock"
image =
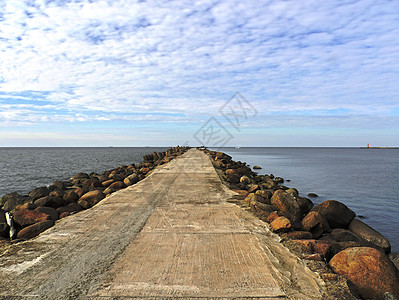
(39, 192)
(315, 223)
(293, 192)
(26, 206)
(24, 218)
(253, 188)
(261, 210)
(35, 229)
(313, 195)
(48, 211)
(91, 198)
(324, 248)
(12, 200)
(267, 195)
(280, 224)
(241, 192)
(57, 193)
(50, 201)
(337, 214)
(369, 234)
(59, 184)
(65, 214)
(80, 176)
(305, 204)
(394, 257)
(71, 208)
(117, 185)
(343, 235)
(300, 235)
(245, 179)
(315, 256)
(131, 179)
(253, 198)
(70, 197)
(91, 184)
(278, 180)
(4, 228)
(288, 206)
(272, 216)
(256, 167)
(232, 176)
(369, 269)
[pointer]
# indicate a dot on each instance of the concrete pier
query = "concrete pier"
(172, 235)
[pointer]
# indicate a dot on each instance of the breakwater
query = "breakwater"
(327, 235)
(41, 207)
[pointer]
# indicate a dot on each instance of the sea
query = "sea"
(366, 180)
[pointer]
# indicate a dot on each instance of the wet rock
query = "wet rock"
(50, 201)
(26, 206)
(369, 269)
(343, 235)
(24, 218)
(337, 214)
(305, 204)
(313, 195)
(315, 223)
(280, 224)
(70, 197)
(91, 198)
(256, 167)
(12, 200)
(39, 192)
(369, 234)
(288, 206)
(48, 211)
(35, 229)
(131, 179)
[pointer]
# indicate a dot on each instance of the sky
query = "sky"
(219, 73)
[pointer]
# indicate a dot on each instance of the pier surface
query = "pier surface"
(172, 235)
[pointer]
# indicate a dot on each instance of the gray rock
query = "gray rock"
(369, 234)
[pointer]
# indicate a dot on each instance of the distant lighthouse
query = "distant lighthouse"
(368, 145)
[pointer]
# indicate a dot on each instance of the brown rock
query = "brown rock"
(280, 224)
(57, 193)
(79, 192)
(70, 197)
(245, 179)
(25, 218)
(59, 184)
(26, 206)
(272, 216)
(369, 269)
(131, 179)
(107, 183)
(315, 223)
(64, 214)
(71, 208)
(343, 235)
(12, 200)
(292, 191)
(241, 192)
(253, 188)
(265, 194)
(48, 211)
(337, 214)
(39, 192)
(34, 230)
(252, 198)
(232, 176)
(91, 198)
(369, 234)
(316, 246)
(300, 235)
(117, 185)
(288, 206)
(91, 184)
(50, 201)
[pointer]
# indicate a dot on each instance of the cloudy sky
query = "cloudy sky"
(136, 73)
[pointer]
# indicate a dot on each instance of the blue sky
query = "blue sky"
(135, 73)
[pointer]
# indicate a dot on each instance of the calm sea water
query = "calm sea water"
(366, 180)
(22, 169)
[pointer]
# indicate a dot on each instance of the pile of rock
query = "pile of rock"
(38, 211)
(327, 233)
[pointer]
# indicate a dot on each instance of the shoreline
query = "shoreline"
(320, 235)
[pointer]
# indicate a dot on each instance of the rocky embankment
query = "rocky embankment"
(25, 216)
(351, 257)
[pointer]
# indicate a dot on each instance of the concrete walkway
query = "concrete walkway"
(172, 235)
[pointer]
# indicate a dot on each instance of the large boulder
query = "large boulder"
(369, 269)
(369, 234)
(11, 201)
(39, 192)
(48, 211)
(34, 230)
(315, 223)
(252, 198)
(91, 184)
(131, 179)
(280, 224)
(70, 197)
(337, 214)
(288, 206)
(117, 185)
(24, 218)
(91, 198)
